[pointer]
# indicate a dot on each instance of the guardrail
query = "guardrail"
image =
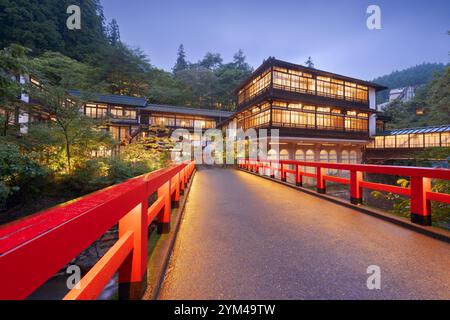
(419, 190)
(32, 250)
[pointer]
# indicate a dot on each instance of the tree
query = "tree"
(166, 89)
(181, 63)
(123, 70)
(432, 98)
(211, 61)
(69, 129)
(41, 26)
(113, 32)
(240, 63)
(309, 63)
(201, 83)
(439, 98)
(416, 76)
(12, 65)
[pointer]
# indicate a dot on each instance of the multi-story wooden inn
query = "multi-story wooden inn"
(321, 116)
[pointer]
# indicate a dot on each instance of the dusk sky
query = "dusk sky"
(333, 33)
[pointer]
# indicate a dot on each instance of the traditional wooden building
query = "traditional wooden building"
(321, 116)
(131, 117)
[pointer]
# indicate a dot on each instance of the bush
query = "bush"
(18, 174)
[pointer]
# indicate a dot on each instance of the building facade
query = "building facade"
(129, 118)
(320, 116)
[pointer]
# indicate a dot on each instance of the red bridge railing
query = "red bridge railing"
(32, 250)
(419, 190)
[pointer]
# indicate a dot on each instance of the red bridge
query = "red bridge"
(243, 237)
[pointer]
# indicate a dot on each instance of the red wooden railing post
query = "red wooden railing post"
(420, 206)
(164, 215)
(282, 172)
(176, 195)
(321, 184)
(133, 271)
(355, 189)
(182, 179)
(271, 170)
(298, 175)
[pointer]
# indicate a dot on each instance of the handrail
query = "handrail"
(32, 250)
(419, 189)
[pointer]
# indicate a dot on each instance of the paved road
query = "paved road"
(244, 237)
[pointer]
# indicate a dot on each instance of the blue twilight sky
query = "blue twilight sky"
(333, 32)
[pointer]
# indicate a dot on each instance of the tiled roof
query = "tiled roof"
(189, 111)
(114, 99)
(431, 129)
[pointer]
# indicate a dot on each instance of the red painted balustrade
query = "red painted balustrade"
(419, 190)
(33, 249)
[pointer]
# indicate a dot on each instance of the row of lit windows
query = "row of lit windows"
(258, 85)
(427, 140)
(182, 122)
(254, 120)
(298, 115)
(300, 119)
(296, 81)
(310, 156)
(293, 82)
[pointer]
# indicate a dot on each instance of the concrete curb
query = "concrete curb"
(159, 259)
(432, 232)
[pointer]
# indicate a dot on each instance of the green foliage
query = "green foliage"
(123, 70)
(309, 63)
(433, 98)
(12, 63)
(439, 98)
(181, 63)
(41, 26)
(18, 173)
(414, 76)
(113, 32)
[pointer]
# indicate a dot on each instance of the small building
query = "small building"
(402, 94)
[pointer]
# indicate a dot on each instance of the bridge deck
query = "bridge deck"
(244, 237)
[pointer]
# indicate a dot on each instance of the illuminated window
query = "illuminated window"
(309, 156)
(402, 141)
(379, 142)
(389, 142)
(272, 154)
(445, 139)
(299, 155)
(416, 141)
(332, 157)
(323, 156)
(432, 140)
(345, 157)
(284, 154)
(353, 157)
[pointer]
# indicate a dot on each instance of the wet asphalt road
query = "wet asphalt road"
(244, 237)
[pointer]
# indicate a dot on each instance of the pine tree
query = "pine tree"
(181, 63)
(309, 63)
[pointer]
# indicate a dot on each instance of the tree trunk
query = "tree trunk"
(67, 152)
(5, 124)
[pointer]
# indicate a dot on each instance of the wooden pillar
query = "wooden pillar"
(133, 272)
(164, 214)
(355, 189)
(420, 206)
